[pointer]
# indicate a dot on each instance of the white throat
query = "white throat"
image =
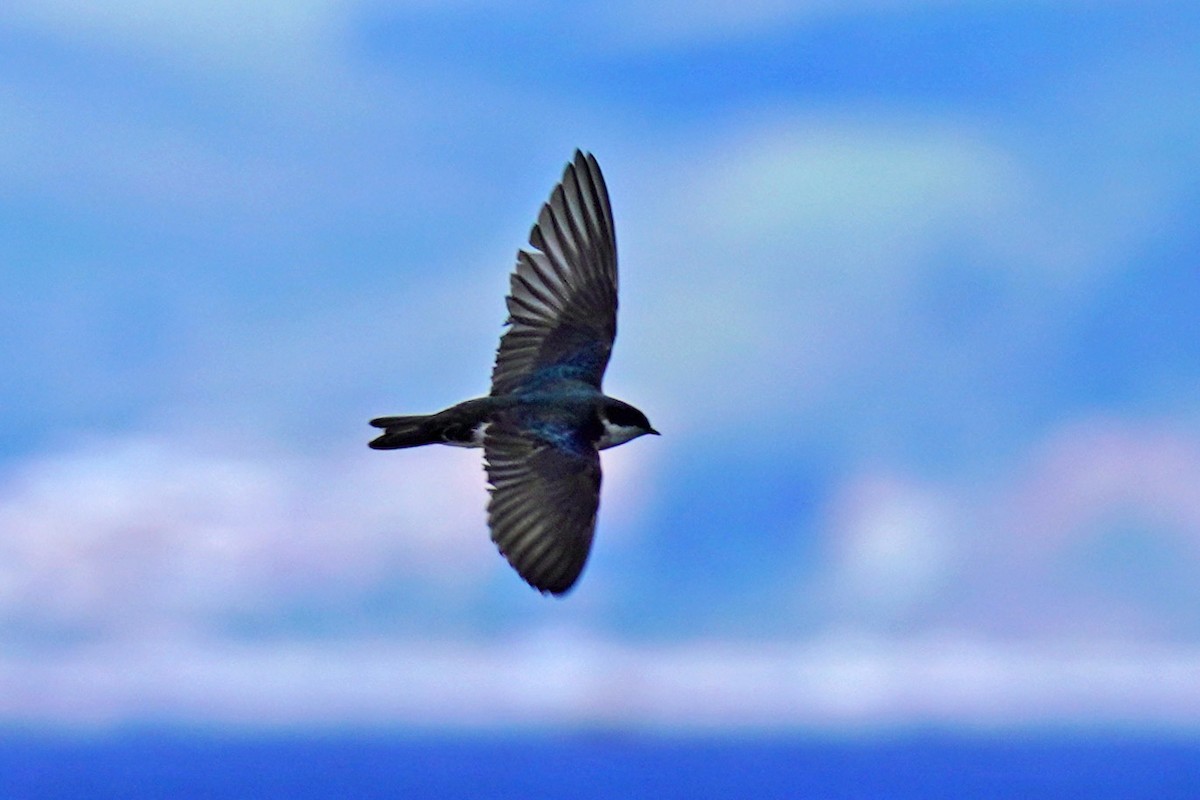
(616, 434)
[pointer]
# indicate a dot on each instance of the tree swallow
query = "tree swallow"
(546, 419)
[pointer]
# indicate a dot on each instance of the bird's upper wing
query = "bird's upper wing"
(545, 493)
(562, 302)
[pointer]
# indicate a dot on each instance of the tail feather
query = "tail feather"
(401, 432)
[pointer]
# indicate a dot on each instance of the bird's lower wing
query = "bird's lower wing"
(543, 506)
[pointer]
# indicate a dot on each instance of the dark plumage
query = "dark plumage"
(546, 418)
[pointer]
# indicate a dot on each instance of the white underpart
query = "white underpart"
(616, 434)
(613, 435)
(476, 437)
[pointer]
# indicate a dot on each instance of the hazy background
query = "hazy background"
(909, 287)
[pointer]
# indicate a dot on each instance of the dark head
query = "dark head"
(622, 422)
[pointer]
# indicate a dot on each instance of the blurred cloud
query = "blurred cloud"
(867, 263)
(160, 538)
(153, 537)
(895, 546)
(801, 238)
(1096, 467)
(556, 678)
(931, 324)
(169, 541)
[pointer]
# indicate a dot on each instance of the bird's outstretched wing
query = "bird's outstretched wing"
(562, 302)
(545, 493)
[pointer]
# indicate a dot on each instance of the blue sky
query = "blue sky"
(909, 287)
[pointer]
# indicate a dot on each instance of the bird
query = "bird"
(546, 417)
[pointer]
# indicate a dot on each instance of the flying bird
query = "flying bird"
(546, 419)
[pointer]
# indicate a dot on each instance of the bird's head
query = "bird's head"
(622, 422)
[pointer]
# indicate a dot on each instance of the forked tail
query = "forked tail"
(400, 432)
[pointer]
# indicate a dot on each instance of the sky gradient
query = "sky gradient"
(909, 288)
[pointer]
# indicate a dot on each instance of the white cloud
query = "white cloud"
(808, 261)
(136, 539)
(1092, 533)
(786, 256)
(774, 266)
(893, 547)
(1096, 534)
(143, 547)
(1092, 468)
(131, 538)
(124, 558)
(833, 684)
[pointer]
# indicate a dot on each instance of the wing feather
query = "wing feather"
(562, 301)
(543, 506)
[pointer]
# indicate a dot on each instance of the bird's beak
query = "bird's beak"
(656, 433)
